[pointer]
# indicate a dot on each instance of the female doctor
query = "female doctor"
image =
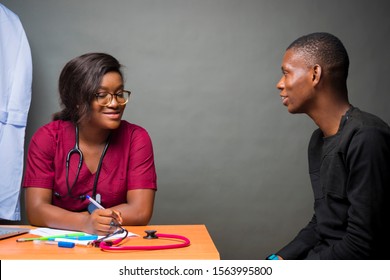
(88, 150)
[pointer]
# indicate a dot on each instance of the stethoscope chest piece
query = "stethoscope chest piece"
(150, 234)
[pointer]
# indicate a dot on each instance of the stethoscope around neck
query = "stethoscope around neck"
(76, 150)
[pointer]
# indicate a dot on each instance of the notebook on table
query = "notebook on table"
(10, 231)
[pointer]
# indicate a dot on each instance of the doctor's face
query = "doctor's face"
(110, 115)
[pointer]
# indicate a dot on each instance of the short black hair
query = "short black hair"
(326, 50)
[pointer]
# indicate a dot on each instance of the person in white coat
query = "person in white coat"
(15, 99)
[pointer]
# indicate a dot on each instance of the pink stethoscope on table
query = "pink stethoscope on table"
(107, 244)
(114, 245)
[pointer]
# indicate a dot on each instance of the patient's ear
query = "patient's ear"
(316, 74)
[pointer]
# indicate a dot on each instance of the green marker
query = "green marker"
(50, 237)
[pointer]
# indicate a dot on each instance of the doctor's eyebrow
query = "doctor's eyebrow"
(107, 89)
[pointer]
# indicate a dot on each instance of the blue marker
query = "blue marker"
(64, 244)
(86, 237)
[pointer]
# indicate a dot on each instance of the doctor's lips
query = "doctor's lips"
(113, 114)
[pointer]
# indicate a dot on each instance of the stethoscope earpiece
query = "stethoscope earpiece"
(57, 195)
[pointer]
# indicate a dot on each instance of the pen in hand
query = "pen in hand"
(94, 202)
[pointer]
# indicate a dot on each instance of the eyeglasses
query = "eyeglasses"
(105, 98)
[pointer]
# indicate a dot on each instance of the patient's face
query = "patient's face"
(295, 85)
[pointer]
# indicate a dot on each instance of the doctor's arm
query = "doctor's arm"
(138, 209)
(41, 213)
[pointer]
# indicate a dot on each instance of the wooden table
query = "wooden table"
(201, 247)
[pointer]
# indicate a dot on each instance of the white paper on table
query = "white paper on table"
(51, 231)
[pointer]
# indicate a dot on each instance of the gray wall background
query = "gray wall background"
(203, 75)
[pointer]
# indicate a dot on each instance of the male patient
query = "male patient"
(349, 157)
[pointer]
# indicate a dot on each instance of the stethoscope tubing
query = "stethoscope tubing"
(76, 150)
(108, 246)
